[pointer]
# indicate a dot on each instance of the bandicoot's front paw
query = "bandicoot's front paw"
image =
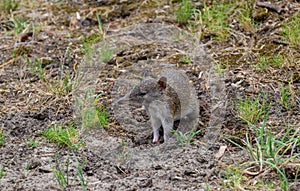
(156, 139)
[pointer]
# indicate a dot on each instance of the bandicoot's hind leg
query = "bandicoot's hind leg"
(167, 124)
(156, 123)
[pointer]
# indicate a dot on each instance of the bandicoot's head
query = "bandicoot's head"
(148, 90)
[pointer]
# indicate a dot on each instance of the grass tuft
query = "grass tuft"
(285, 98)
(63, 174)
(265, 62)
(272, 151)
(61, 86)
(2, 137)
(8, 6)
(92, 113)
(2, 172)
(124, 154)
(214, 20)
(186, 60)
(291, 30)
(184, 12)
(19, 24)
(185, 138)
(251, 111)
(32, 143)
(36, 67)
(66, 135)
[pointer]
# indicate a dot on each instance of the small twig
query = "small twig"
(248, 172)
(10, 61)
(121, 170)
(269, 6)
(251, 173)
(276, 41)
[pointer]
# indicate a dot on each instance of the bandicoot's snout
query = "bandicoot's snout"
(123, 100)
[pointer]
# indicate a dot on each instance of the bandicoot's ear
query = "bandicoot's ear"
(162, 83)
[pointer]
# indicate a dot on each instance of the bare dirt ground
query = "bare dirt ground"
(57, 36)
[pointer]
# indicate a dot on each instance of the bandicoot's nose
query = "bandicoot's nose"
(122, 100)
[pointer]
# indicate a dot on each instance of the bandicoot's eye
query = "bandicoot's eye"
(142, 93)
